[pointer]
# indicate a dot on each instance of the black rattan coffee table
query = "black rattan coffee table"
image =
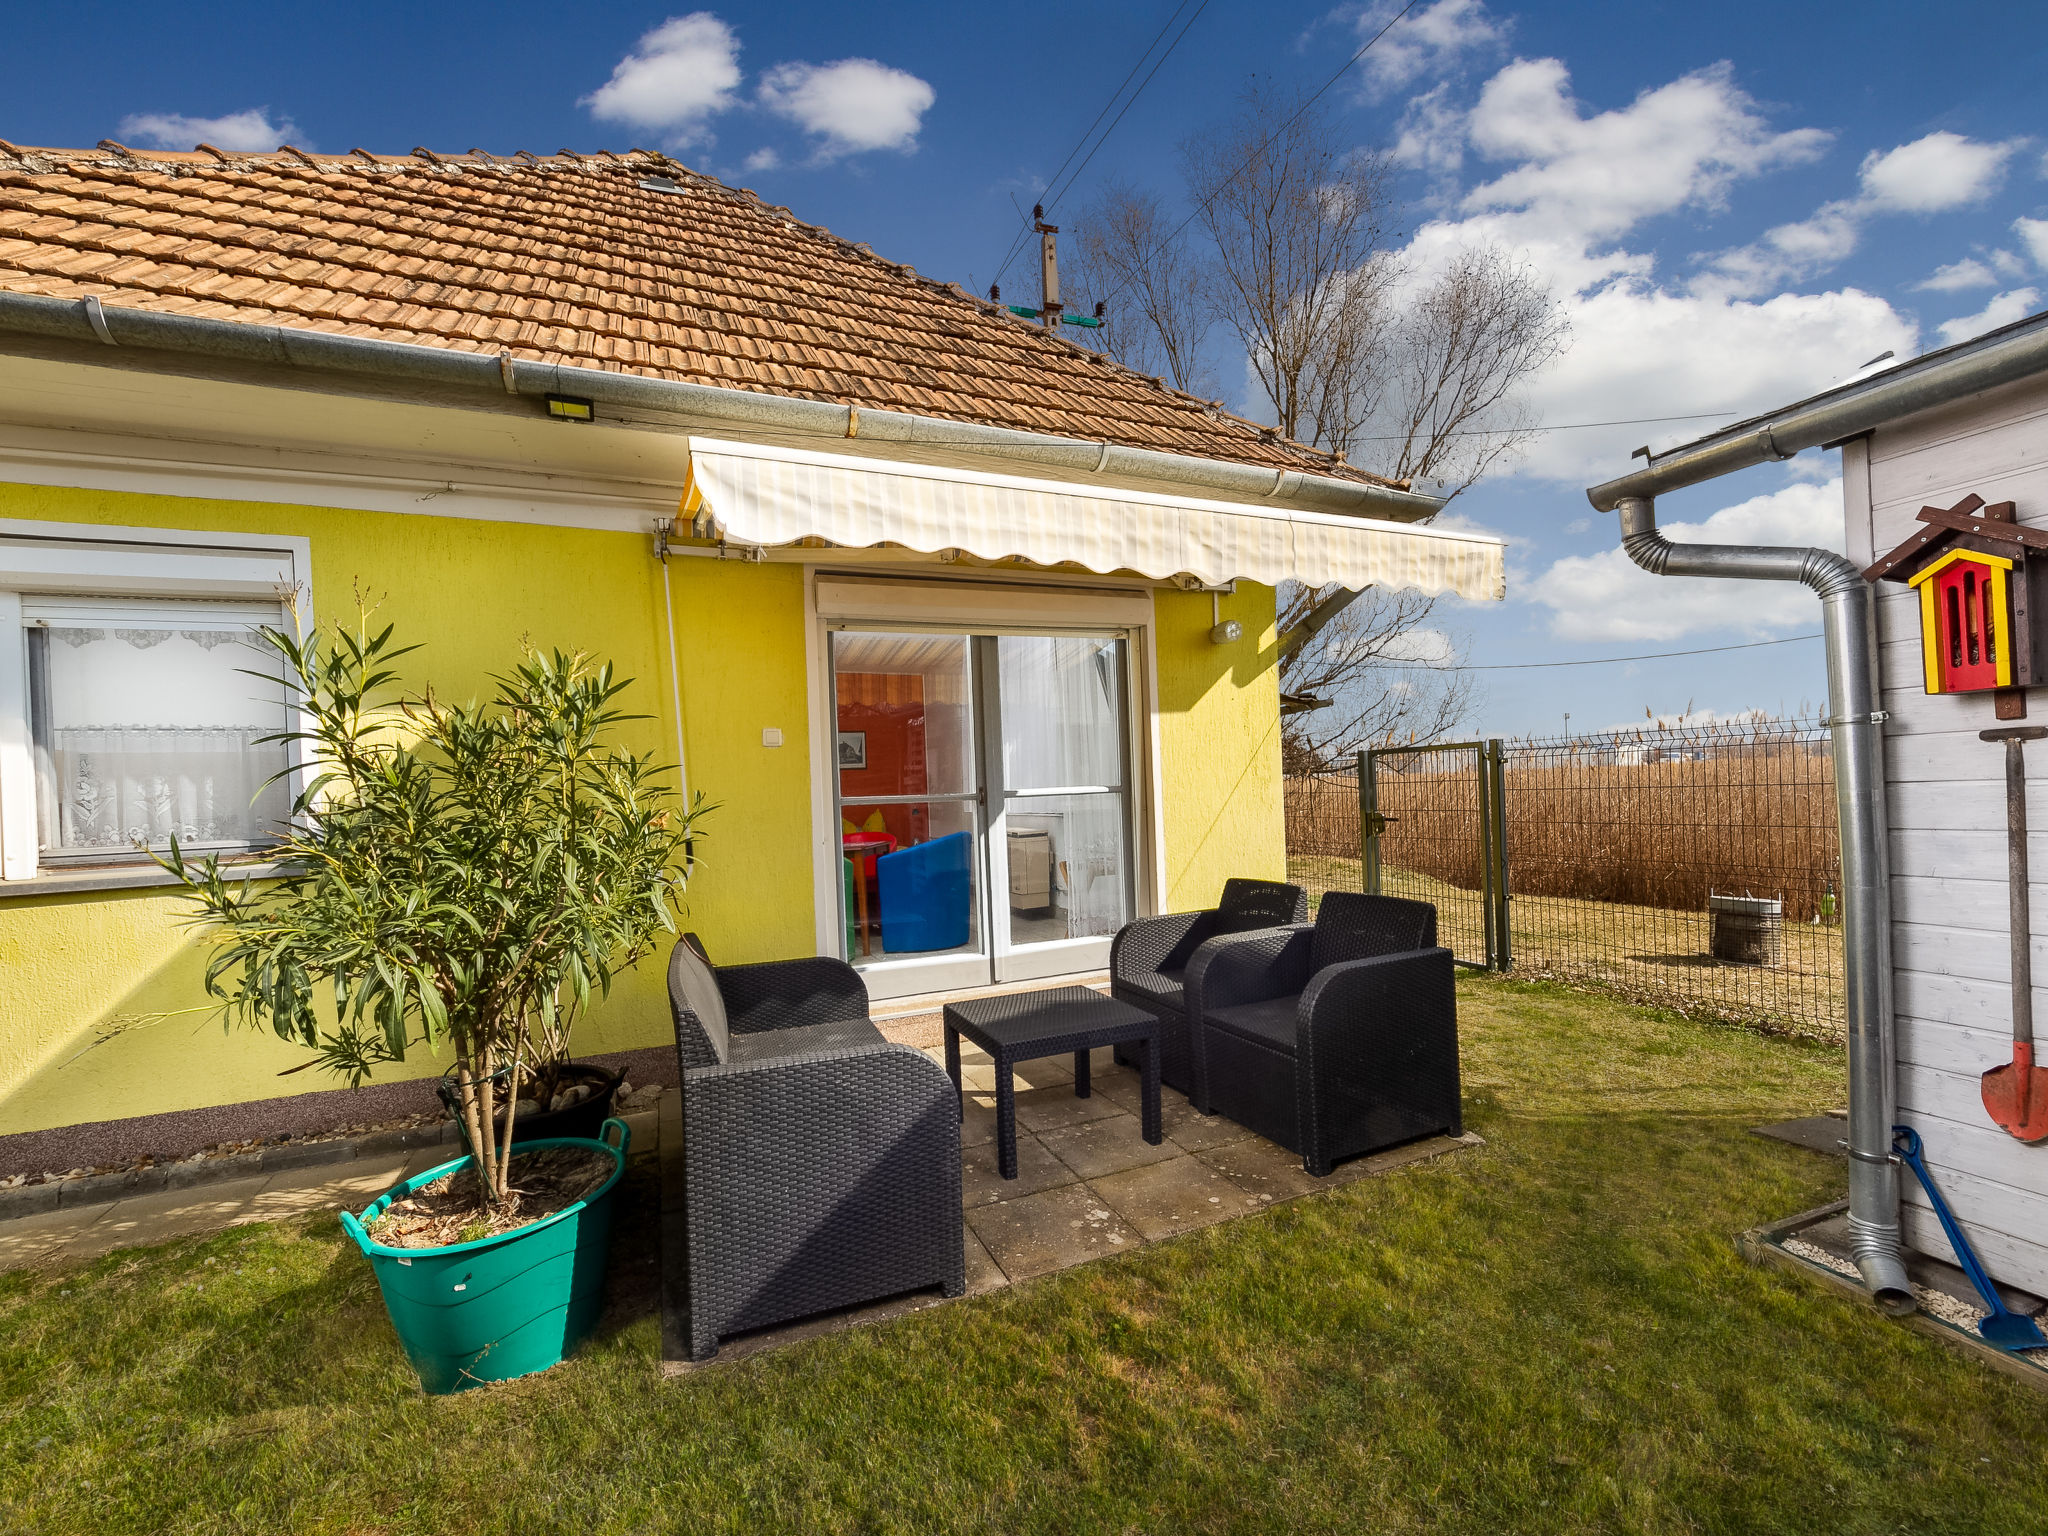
(1025, 1026)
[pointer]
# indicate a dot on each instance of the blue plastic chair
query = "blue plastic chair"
(927, 894)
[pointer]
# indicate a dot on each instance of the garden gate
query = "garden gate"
(1448, 798)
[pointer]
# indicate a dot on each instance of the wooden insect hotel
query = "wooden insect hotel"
(1982, 626)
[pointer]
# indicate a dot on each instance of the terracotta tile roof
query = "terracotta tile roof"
(575, 259)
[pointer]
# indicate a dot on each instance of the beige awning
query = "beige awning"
(750, 494)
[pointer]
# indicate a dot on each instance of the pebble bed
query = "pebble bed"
(1952, 1310)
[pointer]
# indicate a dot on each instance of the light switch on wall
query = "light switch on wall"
(771, 736)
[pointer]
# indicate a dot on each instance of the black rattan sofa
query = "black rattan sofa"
(1333, 1039)
(1148, 962)
(822, 1164)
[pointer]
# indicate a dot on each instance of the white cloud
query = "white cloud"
(676, 79)
(2033, 234)
(250, 132)
(1590, 179)
(1959, 276)
(851, 105)
(1639, 347)
(1420, 647)
(2015, 304)
(762, 160)
(1425, 42)
(1608, 597)
(1931, 175)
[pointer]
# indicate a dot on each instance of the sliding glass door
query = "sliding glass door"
(982, 794)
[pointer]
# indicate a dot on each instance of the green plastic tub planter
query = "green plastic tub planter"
(502, 1306)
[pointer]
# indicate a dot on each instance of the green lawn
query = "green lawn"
(1553, 1333)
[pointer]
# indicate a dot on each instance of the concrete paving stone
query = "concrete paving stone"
(1195, 1132)
(1051, 1230)
(984, 1274)
(28, 1240)
(1401, 1157)
(1177, 1195)
(429, 1157)
(1037, 1169)
(298, 1192)
(1048, 1109)
(1263, 1171)
(978, 1123)
(158, 1218)
(1105, 1146)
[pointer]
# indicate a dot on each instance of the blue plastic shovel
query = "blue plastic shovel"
(2004, 1327)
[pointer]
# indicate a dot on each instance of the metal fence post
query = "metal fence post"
(1368, 825)
(1483, 783)
(1494, 770)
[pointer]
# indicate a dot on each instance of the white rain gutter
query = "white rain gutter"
(499, 373)
(1847, 613)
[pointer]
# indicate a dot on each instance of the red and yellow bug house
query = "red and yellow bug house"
(1981, 628)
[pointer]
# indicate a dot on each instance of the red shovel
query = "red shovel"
(2016, 1095)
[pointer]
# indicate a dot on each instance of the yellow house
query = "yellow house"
(968, 631)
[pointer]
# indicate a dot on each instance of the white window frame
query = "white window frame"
(48, 559)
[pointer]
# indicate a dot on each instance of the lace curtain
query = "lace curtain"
(147, 733)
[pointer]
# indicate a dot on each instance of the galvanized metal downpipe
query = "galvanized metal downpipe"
(1846, 614)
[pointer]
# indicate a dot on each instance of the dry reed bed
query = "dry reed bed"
(1748, 819)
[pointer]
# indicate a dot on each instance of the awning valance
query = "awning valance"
(751, 494)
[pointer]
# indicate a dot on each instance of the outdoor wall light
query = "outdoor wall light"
(571, 408)
(1224, 631)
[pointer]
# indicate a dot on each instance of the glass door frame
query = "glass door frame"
(998, 960)
(1050, 957)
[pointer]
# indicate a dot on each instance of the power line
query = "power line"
(1016, 243)
(1602, 661)
(1300, 111)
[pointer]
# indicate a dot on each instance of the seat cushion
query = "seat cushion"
(1165, 988)
(769, 1044)
(1271, 1024)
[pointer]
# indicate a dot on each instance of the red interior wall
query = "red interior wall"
(889, 707)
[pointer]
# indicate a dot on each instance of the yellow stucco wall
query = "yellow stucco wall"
(1219, 746)
(467, 592)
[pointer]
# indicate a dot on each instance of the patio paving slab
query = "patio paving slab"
(1177, 1195)
(1109, 1145)
(1051, 1109)
(1261, 1169)
(981, 1182)
(1051, 1230)
(160, 1217)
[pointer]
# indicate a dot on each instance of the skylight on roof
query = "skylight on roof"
(658, 184)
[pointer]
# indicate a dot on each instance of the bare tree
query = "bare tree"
(1297, 222)
(1443, 407)
(1133, 259)
(1386, 674)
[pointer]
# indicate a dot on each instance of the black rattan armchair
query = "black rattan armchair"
(1148, 962)
(1334, 1039)
(821, 1163)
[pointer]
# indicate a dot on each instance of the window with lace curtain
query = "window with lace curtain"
(152, 720)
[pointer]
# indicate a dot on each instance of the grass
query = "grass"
(1552, 1333)
(1648, 955)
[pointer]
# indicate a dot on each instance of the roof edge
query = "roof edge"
(2011, 352)
(89, 322)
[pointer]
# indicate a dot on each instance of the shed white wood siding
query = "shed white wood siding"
(1952, 964)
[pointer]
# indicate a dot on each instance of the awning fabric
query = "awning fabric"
(750, 494)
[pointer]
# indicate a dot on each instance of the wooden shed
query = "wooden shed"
(1945, 794)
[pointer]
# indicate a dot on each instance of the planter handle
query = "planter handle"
(625, 1135)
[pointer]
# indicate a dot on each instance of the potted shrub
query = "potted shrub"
(467, 879)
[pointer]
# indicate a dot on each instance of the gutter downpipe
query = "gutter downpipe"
(1866, 912)
(1848, 614)
(494, 373)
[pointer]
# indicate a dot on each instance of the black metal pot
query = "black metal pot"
(579, 1119)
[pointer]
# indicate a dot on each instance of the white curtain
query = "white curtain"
(1062, 726)
(149, 725)
(117, 785)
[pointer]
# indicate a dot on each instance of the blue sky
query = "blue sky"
(1737, 203)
